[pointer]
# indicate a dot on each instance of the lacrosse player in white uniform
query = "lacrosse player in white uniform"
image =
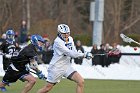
(60, 65)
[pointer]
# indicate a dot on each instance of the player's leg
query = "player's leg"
(5, 66)
(79, 80)
(54, 75)
(46, 88)
(8, 78)
(2, 86)
(75, 76)
(31, 80)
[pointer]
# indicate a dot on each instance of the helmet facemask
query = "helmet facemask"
(65, 36)
(10, 36)
(40, 45)
(37, 41)
(63, 32)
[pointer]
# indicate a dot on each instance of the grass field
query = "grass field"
(91, 86)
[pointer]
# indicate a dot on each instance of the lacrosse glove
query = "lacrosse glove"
(40, 75)
(88, 55)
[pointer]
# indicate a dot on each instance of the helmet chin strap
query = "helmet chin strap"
(63, 38)
(66, 40)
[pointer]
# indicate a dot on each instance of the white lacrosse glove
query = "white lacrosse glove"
(8, 56)
(88, 55)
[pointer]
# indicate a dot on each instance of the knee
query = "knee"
(33, 81)
(46, 88)
(2, 84)
(81, 83)
(49, 87)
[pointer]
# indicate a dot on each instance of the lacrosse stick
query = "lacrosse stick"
(128, 39)
(99, 54)
(124, 54)
(36, 73)
(28, 69)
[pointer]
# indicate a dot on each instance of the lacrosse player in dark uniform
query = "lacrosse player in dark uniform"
(19, 61)
(7, 48)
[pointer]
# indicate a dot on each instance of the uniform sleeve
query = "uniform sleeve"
(2, 46)
(61, 49)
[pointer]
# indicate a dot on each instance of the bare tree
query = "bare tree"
(5, 15)
(120, 16)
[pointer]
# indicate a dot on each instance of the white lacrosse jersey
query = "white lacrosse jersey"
(60, 65)
(64, 51)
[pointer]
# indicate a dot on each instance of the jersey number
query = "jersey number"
(69, 46)
(11, 51)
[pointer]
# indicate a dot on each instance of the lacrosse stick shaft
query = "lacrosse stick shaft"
(130, 54)
(99, 54)
(36, 74)
(124, 54)
(136, 42)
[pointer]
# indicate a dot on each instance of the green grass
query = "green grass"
(91, 86)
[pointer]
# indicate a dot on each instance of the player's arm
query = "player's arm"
(62, 49)
(1, 48)
(34, 65)
(1, 53)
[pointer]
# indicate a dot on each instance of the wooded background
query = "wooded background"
(43, 16)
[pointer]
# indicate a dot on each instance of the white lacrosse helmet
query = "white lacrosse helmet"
(63, 29)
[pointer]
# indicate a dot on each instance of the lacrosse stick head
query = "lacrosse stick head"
(126, 39)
